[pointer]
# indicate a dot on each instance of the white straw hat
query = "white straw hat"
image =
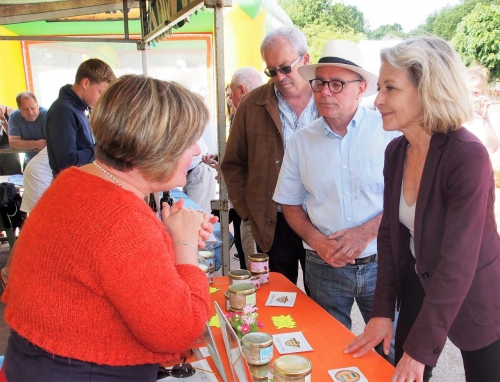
(344, 54)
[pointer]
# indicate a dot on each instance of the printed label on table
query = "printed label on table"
(347, 374)
(281, 299)
(291, 343)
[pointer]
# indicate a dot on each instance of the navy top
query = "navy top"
(69, 138)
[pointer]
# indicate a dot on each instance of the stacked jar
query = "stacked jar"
(208, 258)
(259, 267)
(258, 348)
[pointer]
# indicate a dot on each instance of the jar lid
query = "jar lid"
(258, 257)
(261, 372)
(292, 366)
(206, 254)
(239, 274)
(257, 339)
(242, 288)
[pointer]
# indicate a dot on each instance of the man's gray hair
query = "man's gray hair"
(248, 76)
(292, 34)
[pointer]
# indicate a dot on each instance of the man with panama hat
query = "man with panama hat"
(334, 168)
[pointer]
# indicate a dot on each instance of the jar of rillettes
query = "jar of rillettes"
(292, 368)
(258, 348)
(241, 295)
(239, 276)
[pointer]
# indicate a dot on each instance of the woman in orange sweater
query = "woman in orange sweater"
(101, 289)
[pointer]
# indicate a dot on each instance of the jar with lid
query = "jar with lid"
(260, 373)
(259, 263)
(241, 295)
(258, 348)
(292, 368)
(239, 276)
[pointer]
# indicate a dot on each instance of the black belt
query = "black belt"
(362, 261)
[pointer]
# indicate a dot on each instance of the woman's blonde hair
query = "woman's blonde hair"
(146, 124)
(438, 73)
(480, 73)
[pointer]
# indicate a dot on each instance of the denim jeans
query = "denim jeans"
(335, 289)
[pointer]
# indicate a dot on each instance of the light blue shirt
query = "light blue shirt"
(340, 179)
(290, 122)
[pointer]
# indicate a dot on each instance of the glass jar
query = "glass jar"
(239, 276)
(292, 368)
(241, 295)
(259, 263)
(258, 348)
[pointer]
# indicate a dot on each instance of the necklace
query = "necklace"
(109, 174)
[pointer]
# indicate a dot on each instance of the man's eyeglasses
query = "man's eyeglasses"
(272, 72)
(182, 370)
(335, 86)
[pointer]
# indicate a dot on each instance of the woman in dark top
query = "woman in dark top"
(438, 244)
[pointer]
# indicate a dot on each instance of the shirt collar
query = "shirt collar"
(355, 121)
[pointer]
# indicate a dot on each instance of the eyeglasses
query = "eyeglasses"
(182, 370)
(284, 70)
(335, 86)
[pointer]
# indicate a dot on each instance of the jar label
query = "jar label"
(266, 354)
(240, 281)
(250, 299)
(259, 266)
(264, 278)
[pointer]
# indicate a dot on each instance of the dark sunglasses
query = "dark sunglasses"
(182, 370)
(272, 72)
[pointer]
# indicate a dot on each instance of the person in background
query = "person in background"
(438, 244)
(27, 125)
(9, 163)
(69, 138)
(337, 212)
(265, 120)
(485, 124)
(113, 299)
(244, 80)
(37, 178)
(200, 180)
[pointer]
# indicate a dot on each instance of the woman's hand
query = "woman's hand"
(408, 370)
(377, 330)
(187, 225)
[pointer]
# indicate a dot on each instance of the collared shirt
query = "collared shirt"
(290, 122)
(340, 178)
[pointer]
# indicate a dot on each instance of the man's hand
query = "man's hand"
(351, 243)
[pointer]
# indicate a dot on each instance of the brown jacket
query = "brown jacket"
(252, 162)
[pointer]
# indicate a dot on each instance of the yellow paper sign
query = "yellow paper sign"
(283, 322)
(213, 290)
(214, 321)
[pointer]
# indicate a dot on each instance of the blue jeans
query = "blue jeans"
(335, 289)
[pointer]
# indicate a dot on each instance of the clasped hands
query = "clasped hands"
(187, 224)
(342, 247)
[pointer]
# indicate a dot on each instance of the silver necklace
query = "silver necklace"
(109, 174)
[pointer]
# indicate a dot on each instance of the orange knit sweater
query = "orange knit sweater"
(94, 278)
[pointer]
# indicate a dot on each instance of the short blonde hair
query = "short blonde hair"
(480, 73)
(146, 124)
(438, 73)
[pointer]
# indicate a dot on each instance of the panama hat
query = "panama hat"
(343, 54)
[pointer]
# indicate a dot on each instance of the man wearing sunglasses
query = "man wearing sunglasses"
(265, 120)
(335, 166)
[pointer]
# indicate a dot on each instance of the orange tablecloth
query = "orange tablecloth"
(325, 334)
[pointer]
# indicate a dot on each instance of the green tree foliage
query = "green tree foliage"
(444, 23)
(478, 37)
(384, 30)
(323, 20)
